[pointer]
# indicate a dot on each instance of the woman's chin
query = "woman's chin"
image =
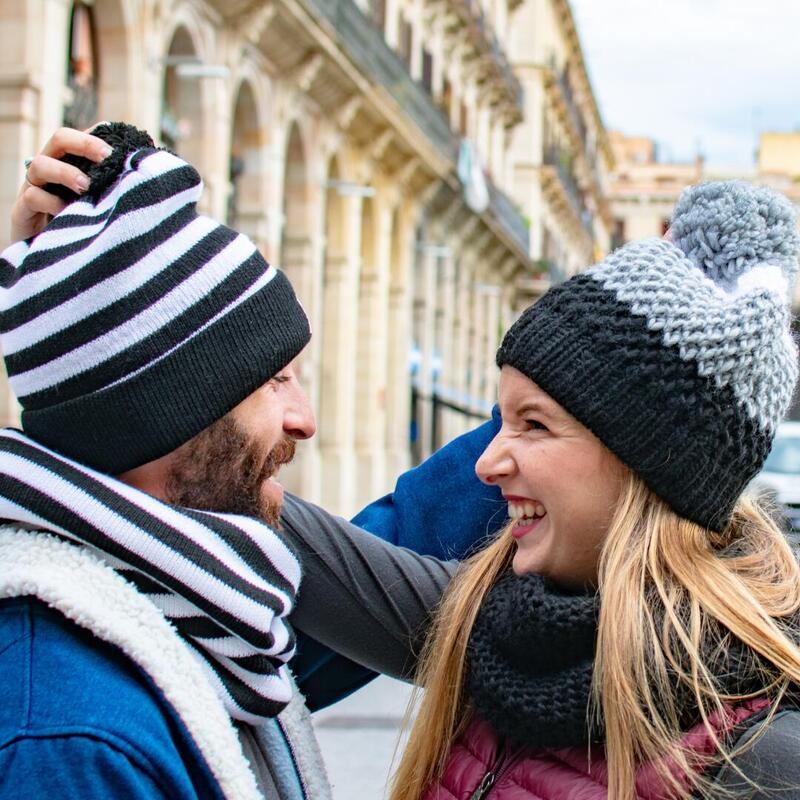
(525, 562)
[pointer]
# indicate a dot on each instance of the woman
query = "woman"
(636, 604)
(639, 616)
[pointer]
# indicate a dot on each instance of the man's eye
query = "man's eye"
(280, 379)
(535, 425)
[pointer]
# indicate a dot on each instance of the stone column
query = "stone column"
(427, 298)
(491, 343)
(371, 366)
(33, 53)
(338, 360)
(461, 336)
(477, 346)
(398, 399)
(446, 341)
(300, 256)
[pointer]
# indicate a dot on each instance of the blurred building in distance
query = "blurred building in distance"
(644, 189)
(422, 170)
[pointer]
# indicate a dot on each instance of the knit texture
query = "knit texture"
(227, 583)
(531, 656)
(681, 361)
(132, 322)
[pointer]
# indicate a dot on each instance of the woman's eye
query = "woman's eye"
(535, 425)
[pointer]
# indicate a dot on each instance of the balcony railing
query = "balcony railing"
(509, 217)
(365, 46)
(561, 161)
(574, 111)
(484, 38)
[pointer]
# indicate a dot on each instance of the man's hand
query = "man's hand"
(34, 207)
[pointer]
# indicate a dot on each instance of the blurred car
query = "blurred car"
(779, 480)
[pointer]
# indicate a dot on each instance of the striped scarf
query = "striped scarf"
(227, 583)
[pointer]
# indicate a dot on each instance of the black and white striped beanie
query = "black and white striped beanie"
(678, 355)
(132, 322)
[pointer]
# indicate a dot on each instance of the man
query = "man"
(147, 342)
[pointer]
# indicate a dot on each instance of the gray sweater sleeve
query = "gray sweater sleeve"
(361, 596)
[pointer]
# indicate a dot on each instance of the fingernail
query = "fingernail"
(82, 182)
(106, 151)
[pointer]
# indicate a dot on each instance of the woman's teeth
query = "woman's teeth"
(522, 511)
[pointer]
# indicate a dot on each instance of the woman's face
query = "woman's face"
(561, 484)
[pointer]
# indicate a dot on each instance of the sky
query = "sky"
(696, 75)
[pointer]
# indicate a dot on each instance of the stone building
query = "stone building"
(561, 151)
(371, 148)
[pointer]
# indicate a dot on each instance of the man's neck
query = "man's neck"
(150, 478)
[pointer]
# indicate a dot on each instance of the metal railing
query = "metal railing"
(509, 217)
(560, 160)
(365, 46)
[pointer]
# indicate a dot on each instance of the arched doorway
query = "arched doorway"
(83, 68)
(296, 255)
(246, 204)
(182, 101)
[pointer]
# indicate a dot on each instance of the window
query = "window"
(427, 71)
(377, 10)
(446, 101)
(406, 40)
(463, 120)
(81, 69)
(618, 237)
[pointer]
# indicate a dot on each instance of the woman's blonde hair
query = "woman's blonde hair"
(672, 596)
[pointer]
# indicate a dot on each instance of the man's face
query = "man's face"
(232, 465)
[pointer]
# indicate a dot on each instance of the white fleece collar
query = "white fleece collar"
(76, 583)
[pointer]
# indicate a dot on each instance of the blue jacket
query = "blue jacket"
(77, 716)
(439, 508)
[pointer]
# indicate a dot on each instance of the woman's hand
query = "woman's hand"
(35, 207)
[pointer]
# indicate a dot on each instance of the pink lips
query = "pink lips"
(518, 531)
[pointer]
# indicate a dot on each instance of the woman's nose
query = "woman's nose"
(495, 462)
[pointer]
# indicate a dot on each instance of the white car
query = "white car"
(780, 476)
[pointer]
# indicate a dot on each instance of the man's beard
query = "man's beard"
(221, 469)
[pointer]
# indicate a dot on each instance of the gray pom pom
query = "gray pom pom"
(727, 227)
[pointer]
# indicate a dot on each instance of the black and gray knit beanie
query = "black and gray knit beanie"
(132, 322)
(678, 354)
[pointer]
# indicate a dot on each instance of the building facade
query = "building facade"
(378, 151)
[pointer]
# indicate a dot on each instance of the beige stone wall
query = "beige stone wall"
(345, 185)
(779, 153)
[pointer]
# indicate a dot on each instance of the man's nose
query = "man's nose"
(298, 418)
(495, 462)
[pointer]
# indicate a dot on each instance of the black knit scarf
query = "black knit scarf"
(530, 660)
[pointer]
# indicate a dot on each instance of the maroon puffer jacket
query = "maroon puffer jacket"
(478, 769)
